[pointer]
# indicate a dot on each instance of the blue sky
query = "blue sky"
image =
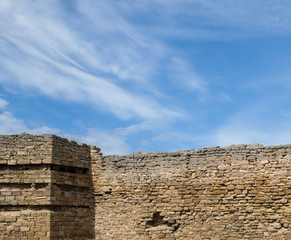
(147, 75)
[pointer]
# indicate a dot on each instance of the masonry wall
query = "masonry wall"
(46, 188)
(51, 188)
(25, 179)
(72, 195)
(240, 192)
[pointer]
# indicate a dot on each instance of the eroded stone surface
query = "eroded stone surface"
(45, 188)
(51, 188)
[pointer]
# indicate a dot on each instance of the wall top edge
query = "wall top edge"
(233, 147)
(48, 137)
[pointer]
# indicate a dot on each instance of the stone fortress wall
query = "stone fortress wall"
(45, 188)
(51, 188)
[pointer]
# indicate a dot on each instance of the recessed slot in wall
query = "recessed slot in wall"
(158, 221)
(61, 168)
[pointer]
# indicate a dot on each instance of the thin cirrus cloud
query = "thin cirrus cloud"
(261, 16)
(47, 57)
(3, 103)
(128, 58)
(246, 133)
(44, 41)
(255, 124)
(9, 124)
(111, 142)
(223, 20)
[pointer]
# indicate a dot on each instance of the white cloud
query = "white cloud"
(5, 5)
(175, 140)
(261, 15)
(11, 125)
(8, 123)
(44, 130)
(148, 125)
(57, 61)
(252, 125)
(184, 76)
(111, 49)
(3, 104)
(239, 134)
(228, 135)
(218, 20)
(223, 98)
(109, 141)
(112, 53)
(114, 141)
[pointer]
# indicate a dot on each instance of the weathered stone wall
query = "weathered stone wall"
(25, 179)
(51, 188)
(240, 192)
(71, 191)
(45, 188)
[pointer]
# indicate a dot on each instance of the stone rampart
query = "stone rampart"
(46, 188)
(51, 188)
(239, 192)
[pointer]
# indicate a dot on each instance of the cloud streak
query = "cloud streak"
(9, 124)
(254, 124)
(222, 20)
(59, 62)
(126, 58)
(111, 142)
(3, 104)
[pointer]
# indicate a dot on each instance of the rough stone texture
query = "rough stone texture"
(48, 187)
(239, 192)
(45, 188)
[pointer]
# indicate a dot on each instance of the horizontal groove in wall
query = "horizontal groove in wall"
(36, 186)
(53, 208)
(62, 168)
(55, 167)
(66, 188)
(24, 167)
(23, 185)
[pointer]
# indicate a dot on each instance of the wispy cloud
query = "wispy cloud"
(3, 103)
(110, 142)
(236, 133)
(9, 124)
(63, 63)
(222, 20)
(177, 140)
(254, 124)
(185, 76)
(112, 51)
(118, 57)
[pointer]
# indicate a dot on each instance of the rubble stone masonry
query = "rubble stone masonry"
(51, 188)
(45, 188)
